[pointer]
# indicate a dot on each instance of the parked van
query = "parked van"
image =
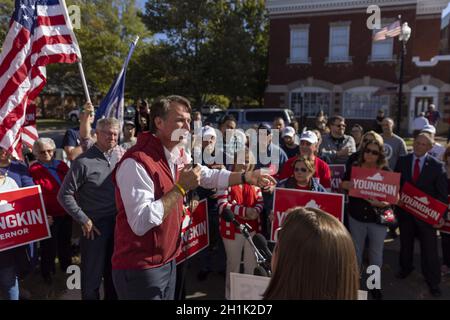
(247, 118)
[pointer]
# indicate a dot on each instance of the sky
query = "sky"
(140, 4)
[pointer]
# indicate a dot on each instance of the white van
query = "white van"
(247, 118)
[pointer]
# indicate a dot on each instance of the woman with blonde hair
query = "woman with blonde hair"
(313, 259)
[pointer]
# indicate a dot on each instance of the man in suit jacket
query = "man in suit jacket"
(427, 174)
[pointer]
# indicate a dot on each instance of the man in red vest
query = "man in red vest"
(151, 180)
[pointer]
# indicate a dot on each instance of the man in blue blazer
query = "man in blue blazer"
(427, 174)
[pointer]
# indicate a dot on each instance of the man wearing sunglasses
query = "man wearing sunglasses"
(336, 147)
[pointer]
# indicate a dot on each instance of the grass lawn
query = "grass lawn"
(54, 124)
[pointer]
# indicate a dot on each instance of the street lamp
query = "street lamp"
(404, 36)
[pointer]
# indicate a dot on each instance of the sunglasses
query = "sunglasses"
(304, 170)
(46, 151)
(374, 152)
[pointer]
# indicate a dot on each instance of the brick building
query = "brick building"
(321, 55)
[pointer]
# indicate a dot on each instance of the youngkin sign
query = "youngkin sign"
(285, 199)
(22, 217)
(337, 173)
(194, 232)
(372, 183)
(421, 205)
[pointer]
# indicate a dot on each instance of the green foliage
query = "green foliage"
(6, 11)
(214, 47)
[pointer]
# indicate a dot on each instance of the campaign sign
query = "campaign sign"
(30, 115)
(194, 232)
(285, 199)
(22, 217)
(446, 227)
(421, 205)
(337, 174)
(373, 183)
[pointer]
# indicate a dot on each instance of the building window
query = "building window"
(299, 45)
(339, 43)
(364, 104)
(313, 102)
(382, 50)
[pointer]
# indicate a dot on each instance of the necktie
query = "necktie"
(416, 172)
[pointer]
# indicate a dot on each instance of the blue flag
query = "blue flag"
(112, 106)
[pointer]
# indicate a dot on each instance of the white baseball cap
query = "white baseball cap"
(208, 131)
(429, 128)
(288, 132)
(309, 136)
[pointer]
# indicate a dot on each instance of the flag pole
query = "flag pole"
(83, 80)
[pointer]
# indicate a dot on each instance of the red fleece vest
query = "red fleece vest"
(160, 244)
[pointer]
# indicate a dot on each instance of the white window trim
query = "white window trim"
(299, 27)
(311, 90)
(393, 56)
(363, 89)
(330, 59)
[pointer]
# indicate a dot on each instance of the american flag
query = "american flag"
(29, 132)
(390, 31)
(40, 33)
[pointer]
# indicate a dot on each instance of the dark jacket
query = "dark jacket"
(432, 179)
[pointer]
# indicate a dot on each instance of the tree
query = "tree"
(6, 11)
(218, 47)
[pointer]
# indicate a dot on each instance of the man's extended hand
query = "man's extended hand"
(260, 178)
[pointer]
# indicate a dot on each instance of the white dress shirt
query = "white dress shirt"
(138, 195)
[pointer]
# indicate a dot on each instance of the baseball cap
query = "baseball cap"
(265, 126)
(429, 128)
(208, 131)
(130, 122)
(309, 136)
(288, 132)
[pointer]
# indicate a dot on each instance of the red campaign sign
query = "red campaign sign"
(30, 115)
(446, 227)
(421, 205)
(285, 199)
(337, 174)
(373, 183)
(22, 217)
(194, 232)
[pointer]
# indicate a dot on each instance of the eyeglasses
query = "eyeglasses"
(374, 152)
(304, 170)
(46, 151)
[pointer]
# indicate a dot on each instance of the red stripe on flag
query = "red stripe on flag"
(51, 21)
(14, 82)
(10, 120)
(54, 58)
(18, 44)
(45, 40)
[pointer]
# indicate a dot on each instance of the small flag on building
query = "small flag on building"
(390, 31)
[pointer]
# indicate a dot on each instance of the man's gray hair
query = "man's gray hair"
(39, 143)
(107, 122)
